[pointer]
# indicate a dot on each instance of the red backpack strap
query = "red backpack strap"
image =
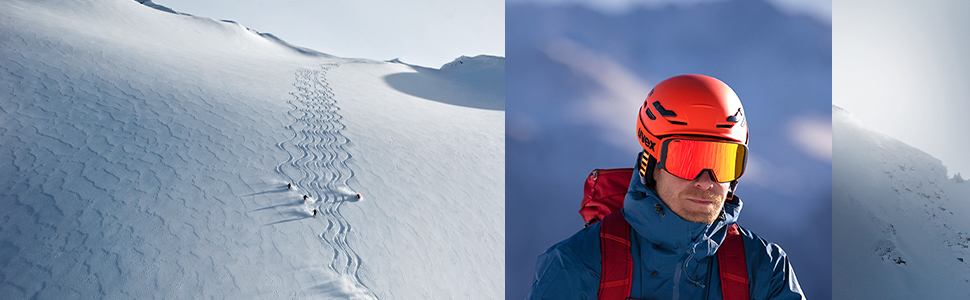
(616, 274)
(734, 269)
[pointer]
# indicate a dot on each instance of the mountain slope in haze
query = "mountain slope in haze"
(147, 154)
(899, 224)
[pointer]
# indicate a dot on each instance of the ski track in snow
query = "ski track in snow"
(318, 166)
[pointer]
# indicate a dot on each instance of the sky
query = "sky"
(901, 67)
(818, 9)
(428, 33)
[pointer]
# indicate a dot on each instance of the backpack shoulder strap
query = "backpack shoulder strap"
(734, 269)
(616, 274)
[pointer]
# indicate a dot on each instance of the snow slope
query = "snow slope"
(900, 225)
(146, 155)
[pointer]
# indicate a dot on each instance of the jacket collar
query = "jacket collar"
(653, 220)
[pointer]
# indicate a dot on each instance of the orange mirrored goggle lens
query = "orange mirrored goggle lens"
(688, 158)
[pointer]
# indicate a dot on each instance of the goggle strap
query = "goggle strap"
(645, 169)
(644, 161)
(731, 198)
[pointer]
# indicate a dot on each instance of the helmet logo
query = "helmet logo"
(643, 139)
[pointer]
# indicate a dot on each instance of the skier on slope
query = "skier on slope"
(680, 208)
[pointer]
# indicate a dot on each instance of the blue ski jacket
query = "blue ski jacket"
(672, 258)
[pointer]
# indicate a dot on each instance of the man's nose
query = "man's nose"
(704, 180)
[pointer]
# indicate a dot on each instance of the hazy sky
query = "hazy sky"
(423, 32)
(902, 67)
(818, 9)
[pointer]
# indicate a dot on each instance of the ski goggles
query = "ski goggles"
(687, 158)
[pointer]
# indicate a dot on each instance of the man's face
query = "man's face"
(699, 200)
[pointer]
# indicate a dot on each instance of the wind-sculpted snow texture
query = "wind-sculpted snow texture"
(146, 155)
(318, 163)
(114, 186)
(900, 226)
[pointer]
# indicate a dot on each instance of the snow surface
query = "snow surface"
(146, 155)
(900, 225)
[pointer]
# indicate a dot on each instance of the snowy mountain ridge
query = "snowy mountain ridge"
(481, 61)
(899, 223)
(269, 36)
(160, 7)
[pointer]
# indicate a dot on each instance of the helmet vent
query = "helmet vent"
(663, 112)
(677, 122)
(737, 117)
(649, 113)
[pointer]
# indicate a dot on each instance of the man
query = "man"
(694, 135)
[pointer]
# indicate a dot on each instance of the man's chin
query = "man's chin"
(702, 214)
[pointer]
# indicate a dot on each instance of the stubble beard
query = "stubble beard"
(707, 215)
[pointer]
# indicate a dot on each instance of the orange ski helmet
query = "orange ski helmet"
(690, 105)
